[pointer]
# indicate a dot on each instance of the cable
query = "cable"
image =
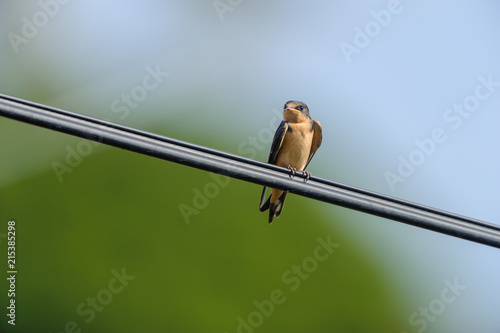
(250, 170)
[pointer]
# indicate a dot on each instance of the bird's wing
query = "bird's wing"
(277, 142)
(316, 140)
(273, 157)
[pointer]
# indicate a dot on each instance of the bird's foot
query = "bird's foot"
(308, 175)
(292, 170)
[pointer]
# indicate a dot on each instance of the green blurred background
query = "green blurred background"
(110, 229)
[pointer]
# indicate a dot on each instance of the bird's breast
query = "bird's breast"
(296, 146)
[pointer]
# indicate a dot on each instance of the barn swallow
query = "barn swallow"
(295, 142)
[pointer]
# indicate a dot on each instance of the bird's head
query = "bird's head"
(296, 111)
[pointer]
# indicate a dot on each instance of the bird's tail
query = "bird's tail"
(264, 206)
(275, 207)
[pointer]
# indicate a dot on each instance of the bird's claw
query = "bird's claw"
(293, 170)
(308, 175)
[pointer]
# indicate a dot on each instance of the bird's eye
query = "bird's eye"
(301, 108)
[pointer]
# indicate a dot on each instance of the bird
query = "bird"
(295, 142)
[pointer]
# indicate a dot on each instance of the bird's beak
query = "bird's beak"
(291, 109)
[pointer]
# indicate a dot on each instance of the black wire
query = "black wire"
(249, 170)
